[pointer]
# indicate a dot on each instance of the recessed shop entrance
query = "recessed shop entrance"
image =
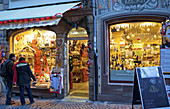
(77, 45)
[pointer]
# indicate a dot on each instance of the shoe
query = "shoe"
(31, 102)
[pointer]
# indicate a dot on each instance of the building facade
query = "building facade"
(55, 38)
(128, 36)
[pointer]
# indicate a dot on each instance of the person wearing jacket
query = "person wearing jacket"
(9, 78)
(22, 77)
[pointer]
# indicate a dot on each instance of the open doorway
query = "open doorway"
(77, 45)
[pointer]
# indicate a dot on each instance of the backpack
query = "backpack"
(4, 70)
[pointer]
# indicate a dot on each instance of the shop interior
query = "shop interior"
(135, 44)
(77, 59)
(38, 47)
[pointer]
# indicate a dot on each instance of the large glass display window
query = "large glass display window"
(135, 44)
(38, 47)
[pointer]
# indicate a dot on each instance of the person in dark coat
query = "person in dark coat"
(9, 78)
(22, 77)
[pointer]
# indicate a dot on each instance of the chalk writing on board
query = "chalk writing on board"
(153, 89)
(149, 72)
(153, 81)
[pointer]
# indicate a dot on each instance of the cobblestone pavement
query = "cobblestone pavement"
(63, 104)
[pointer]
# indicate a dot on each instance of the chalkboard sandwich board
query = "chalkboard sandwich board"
(149, 88)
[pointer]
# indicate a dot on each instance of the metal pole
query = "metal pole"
(95, 53)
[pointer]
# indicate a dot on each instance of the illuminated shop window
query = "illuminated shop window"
(133, 45)
(38, 47)
(77, 32)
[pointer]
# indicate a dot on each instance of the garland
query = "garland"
(78, 23)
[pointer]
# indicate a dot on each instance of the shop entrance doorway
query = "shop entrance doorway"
(77, 45)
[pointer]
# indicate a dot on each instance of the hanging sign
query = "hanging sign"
(149, 88)
(56, 79)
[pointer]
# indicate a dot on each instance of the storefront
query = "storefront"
(38, 47)
(47, 42)
(77, 55)
(128, 36)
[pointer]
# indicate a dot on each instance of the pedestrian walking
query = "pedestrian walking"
(22, 77)
(7, 68)
(2, 80)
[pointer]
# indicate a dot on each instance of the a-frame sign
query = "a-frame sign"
(149, 88)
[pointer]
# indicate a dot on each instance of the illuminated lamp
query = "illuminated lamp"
(37, 19)
(31, 19)
(26, 20)
(20, 21)
(1, 22)
(10, 20)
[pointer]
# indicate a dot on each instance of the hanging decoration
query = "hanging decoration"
(78, 23)
(89, 60)
(164, 28)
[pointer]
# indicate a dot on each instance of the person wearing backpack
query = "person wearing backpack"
(8, 75)
(22, 76)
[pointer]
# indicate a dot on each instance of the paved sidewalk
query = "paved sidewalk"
(67, 103)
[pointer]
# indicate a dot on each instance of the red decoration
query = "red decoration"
(53, 16)
(138, 38)
(5, 22)
(37, 19)
(26, 20)
(15, 21)
(89, 63)
(31, 19)
(47, 18)
(90, 46)
(42, 18)
(18, 38)
(10, 20)
(1, 22)
(20, 21)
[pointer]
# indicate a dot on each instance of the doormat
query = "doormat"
(80, 94)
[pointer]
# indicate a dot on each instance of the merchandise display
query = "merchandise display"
(135, 45)
(78, 60)
(38, 47)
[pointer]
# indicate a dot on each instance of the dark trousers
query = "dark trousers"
(8, 91)
(28, 89)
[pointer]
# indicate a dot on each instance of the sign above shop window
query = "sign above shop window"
(27, 24)
(105, 6)
(134, 4)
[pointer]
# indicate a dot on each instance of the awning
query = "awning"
(30, 17)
